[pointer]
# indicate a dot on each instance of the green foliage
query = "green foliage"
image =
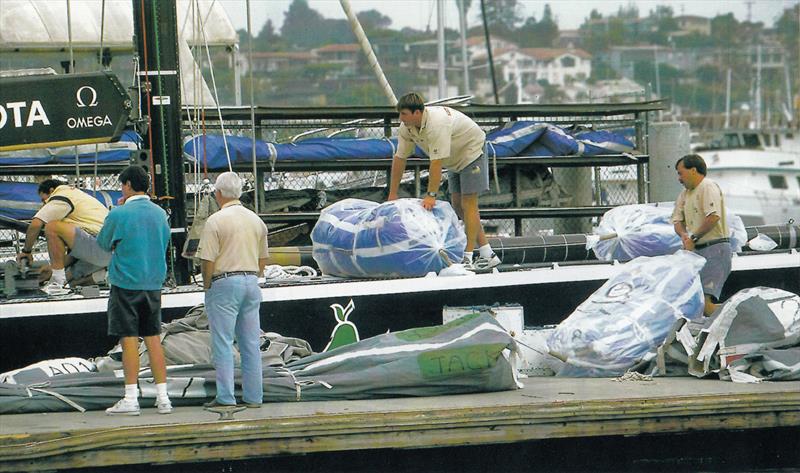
(724, 29)
(788, 31)
(306, 28)
(602, 71)
(502, 16)
(538, 34)
(693, 40)
(373, 20)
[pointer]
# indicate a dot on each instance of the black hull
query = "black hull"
(304, 310)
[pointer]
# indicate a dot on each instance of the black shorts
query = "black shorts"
(134, 313)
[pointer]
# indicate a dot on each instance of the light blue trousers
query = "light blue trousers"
(232, 305)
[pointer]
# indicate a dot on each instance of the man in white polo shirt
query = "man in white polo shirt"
(699, 219)
(233, 252)
(454, 142)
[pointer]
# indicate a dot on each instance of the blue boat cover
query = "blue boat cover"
(520, 138)
(362, 239)
(106, 153)
(20, 200)
(647, 230)
(630, 315)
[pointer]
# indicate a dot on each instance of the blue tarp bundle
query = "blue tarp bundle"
(359, 238)
(107, 153)
(20, 200)
(521, 138)
(630, 315)
(647, 230)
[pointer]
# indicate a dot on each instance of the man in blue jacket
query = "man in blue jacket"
(137, 234)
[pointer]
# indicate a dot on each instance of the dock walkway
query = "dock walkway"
(546, 408)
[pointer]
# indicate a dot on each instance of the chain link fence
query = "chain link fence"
(539, 186)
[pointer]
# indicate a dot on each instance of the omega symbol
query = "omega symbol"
(92, 95)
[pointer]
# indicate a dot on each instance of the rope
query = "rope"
(38, 388)
(276, 271)
(299, 385)
(367, 49)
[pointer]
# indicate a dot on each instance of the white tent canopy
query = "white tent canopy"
(41, 25)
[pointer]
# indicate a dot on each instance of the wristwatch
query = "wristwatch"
(694, 237)
(432, 194)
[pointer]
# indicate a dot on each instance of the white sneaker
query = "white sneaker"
(486, 263)
(164, 407)
(55, 288)
(124, 407)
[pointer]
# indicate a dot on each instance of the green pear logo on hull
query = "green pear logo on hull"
(345, 332)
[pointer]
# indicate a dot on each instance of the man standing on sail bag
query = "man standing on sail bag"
(699, 219)
(137, 234)
(455, 142)
(233, 252)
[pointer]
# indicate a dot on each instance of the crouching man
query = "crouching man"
(71, 219)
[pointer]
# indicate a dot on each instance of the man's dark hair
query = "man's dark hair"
(693, 161)
(47, 186)
(137, 176)
(411, 102)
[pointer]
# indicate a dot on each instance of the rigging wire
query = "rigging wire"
(71, 70)
(216, 97)
(259, 183)
(100, 63)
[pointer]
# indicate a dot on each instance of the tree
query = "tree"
(788, 29)
(539, 34)
(372, 20)
(502, 16)
(548, 28)
(665, 23)
(301, 24)
(724, 29)
(268, 39)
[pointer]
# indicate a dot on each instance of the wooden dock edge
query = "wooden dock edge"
(244, 439)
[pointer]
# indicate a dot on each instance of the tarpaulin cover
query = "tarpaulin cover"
(359, 238)
(471, 354)
(754, 336)
(630, 315)
(647, 230)
(119, 151)
(520, 138)
(20, 200)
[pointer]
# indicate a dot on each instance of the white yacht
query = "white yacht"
(759, 172)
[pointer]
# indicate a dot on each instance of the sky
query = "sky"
(419, 14)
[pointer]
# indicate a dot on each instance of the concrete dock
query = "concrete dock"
(546, 408)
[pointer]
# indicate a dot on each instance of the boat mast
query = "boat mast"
(440, 48)
(758, 87)
(489, 52)
(366, 47)
(728, 100)
(462, 17)
(156, 32)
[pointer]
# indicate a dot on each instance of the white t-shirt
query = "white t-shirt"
(444, 134)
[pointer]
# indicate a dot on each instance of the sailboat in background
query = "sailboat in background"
(758, 169)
